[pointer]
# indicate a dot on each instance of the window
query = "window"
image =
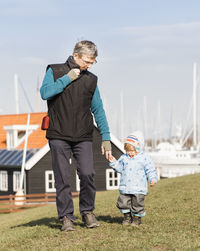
(49, 182)
(16, 181)
(3, 181)
(77, 182)
(112, 179)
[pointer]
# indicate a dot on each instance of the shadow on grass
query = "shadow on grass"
(49, 222)
(109, 219)
(53, 222)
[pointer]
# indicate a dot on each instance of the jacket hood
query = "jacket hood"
(140, 137)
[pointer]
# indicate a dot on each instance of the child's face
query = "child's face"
(131, 153)
(130, 150)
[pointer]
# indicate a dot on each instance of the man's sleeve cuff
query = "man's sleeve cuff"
(106, 137)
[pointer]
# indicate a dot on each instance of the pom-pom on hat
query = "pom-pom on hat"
(136, 139)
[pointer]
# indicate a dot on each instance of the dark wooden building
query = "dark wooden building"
(39, 176)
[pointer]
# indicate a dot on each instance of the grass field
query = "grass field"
(172, 223)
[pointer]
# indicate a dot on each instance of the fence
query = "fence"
(14, 203)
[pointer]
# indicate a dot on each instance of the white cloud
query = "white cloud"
(165, 33)
(109, 59)
(34, 60)
(181, 27)
(159, 43)
(27, 8)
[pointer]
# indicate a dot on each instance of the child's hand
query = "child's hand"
(111, 158)
(152, 183)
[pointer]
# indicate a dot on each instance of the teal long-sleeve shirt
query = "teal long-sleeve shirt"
(50, 88)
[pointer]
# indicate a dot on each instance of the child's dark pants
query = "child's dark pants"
(133, 203)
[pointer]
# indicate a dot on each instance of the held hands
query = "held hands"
(111, 158)
(73, 74)
(152, 183)
(106, 149)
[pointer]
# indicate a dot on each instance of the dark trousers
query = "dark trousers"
(133, 203)
(83, 155)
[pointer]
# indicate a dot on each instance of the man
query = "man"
(72, 97)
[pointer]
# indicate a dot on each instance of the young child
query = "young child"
(136, 169)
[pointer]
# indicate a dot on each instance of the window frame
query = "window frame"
(113, 179)
(2, 173)
(48, 181)
(15, 181)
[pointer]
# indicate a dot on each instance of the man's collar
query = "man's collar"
(71, 63)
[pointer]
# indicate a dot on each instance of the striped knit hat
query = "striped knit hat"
(136, 139)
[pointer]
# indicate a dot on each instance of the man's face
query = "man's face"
(84, 61)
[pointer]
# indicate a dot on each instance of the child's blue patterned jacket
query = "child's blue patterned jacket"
(135, 173)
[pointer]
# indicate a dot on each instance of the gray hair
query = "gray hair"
(86, 47)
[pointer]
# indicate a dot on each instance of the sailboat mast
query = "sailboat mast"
(145, 117)
(16, 93)
(37, 96)
(122, 115)
(195, 105)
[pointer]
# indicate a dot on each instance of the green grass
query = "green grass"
(172, 223)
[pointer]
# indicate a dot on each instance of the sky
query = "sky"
(146, 49)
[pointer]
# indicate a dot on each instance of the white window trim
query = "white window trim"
(16, 182)
(12, 139)
(3, 174)
(77, 183)
(108, 186)
(47, 181)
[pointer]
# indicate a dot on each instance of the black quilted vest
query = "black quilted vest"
(70, 111)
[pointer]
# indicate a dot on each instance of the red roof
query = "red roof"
(37, 138)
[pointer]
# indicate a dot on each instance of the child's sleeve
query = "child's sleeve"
(117, 165)
(150, 169)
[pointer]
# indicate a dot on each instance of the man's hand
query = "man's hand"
(73, 74)
(106, 149)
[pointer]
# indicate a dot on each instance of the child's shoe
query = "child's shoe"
(136, 221)
(127, 219)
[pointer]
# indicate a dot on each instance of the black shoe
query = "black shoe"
(127, 219)
(90, 220)
(136, 221)
(67, 224)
